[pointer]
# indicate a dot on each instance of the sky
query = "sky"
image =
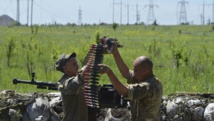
(166, 12)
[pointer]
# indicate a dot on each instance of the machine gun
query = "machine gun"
(108, 96)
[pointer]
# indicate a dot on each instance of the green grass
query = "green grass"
(183, 56)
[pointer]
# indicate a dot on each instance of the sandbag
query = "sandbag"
(39, 110)
(209, 112)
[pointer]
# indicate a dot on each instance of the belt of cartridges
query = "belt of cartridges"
(91, 86)
(95, 57)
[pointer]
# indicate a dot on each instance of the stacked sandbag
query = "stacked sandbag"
(56, 106)
(45, 108)
(39, 110)
(13, 105)
(29, 107)
(187, 107)
(48, 107)
(209, 112)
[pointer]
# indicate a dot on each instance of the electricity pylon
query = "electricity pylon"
(183, 13)
(80, 16)
(151, 15)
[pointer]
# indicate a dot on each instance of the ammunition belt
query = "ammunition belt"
(91, 85)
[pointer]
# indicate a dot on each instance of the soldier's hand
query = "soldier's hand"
(104, 69)
(114, 48)
(85, 70)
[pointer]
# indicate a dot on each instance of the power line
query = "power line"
(132, 15)
(8, 7)
(61, 16)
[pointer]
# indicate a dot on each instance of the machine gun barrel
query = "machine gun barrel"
(41, 85)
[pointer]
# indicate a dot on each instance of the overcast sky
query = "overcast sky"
(166, 12)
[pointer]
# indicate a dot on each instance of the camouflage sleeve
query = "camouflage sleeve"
(72, 85)
(137, 91)
(131, 79)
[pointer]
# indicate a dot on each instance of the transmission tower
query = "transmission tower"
(137, 15)
(183, 13)
(80, 16)
(151, 15)
(127, 13)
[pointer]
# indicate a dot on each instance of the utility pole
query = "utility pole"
(128, 13)
(79, 16)
(213, 12)
(203, 14)
(120, 10)
(31, 13)
(151, 15)
(137, 13)
(18, 11)
(113, 13)
(27, 12)
(183, 13)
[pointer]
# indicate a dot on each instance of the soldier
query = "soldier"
(143, 90)
(71, 88)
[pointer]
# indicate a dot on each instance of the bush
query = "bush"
(114, 25)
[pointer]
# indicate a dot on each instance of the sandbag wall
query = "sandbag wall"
(48, 107)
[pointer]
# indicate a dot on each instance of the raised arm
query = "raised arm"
(124, 70)
(120, 87)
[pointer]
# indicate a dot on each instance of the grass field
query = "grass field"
(183, 56)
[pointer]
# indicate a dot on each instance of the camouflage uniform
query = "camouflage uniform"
(72, 92)
(146, 98)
